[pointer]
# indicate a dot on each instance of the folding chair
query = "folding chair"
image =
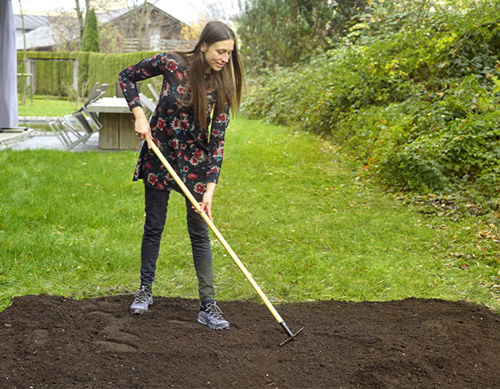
(153, 92)
(97, 91)
(149, 104)
(78, 127)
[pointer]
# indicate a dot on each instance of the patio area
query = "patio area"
(31, 138)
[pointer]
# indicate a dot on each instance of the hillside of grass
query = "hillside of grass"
(289, 203)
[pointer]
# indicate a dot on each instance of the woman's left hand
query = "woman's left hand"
(206, 204)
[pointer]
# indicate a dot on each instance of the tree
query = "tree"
(147, 27)
(224, 11)
(79, 16)
(25, 58)
(282, 32)
(140, 16)
(90, 40)
(63, 28)
(100, 5)
(214, 10)
(192, 32)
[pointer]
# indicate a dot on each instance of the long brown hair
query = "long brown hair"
(227, 82)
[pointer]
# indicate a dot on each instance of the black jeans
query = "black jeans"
(156, 216)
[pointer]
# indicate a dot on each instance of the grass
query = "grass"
(46, 106)
(288, 203)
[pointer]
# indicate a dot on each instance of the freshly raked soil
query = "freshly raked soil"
(56, 342)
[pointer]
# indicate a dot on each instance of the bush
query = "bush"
(417, 105)
(54, 71)
(90, 39)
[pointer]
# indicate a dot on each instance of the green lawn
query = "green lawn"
(46, 106)
(288, 203)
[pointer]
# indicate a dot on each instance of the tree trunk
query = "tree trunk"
(81, 25)
(25, 57)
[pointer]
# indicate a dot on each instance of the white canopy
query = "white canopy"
(8, 67)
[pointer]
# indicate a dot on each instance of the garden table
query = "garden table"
(117, 131)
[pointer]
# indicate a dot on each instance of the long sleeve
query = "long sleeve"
(195, 154)
(147, 68)
(216, 145)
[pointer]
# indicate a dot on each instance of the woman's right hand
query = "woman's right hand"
(142, 128)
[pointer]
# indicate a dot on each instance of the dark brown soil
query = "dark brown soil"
(62, 343)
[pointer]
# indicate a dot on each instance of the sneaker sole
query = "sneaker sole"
(212, 327)
(139, 311)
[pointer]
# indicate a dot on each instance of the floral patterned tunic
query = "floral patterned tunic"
(194, 153)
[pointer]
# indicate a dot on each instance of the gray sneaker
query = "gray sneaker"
(143, 298)
(211, 316)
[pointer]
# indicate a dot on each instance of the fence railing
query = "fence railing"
(136, 44)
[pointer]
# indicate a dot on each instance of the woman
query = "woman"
(198, 85)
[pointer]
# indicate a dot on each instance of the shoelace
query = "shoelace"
(141, 295)
(214, 310)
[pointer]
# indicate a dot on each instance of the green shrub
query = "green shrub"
(104, 68)
(418, 105)
(452, 144)
(90, 39)
(54, 71)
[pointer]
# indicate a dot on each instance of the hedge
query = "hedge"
(54, 70)
(104, 68)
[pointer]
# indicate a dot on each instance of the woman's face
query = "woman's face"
(217, 54)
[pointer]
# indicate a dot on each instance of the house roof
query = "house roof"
(40, 37)
(42, 34)
(30, 21)
(106, 17)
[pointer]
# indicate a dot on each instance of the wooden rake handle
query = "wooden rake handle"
(218, 235)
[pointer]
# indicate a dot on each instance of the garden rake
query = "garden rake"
(226, 245)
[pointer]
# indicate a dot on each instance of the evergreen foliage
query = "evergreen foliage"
(90, 40)
(413, 92)
(55, 77)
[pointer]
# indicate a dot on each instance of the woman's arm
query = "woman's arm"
(206, 204)
(141, 125)
(216, 144)
(147, 68)
(216, 153)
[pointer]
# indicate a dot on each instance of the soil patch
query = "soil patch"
(58, 342)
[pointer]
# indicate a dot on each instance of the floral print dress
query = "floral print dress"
(194, 153)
